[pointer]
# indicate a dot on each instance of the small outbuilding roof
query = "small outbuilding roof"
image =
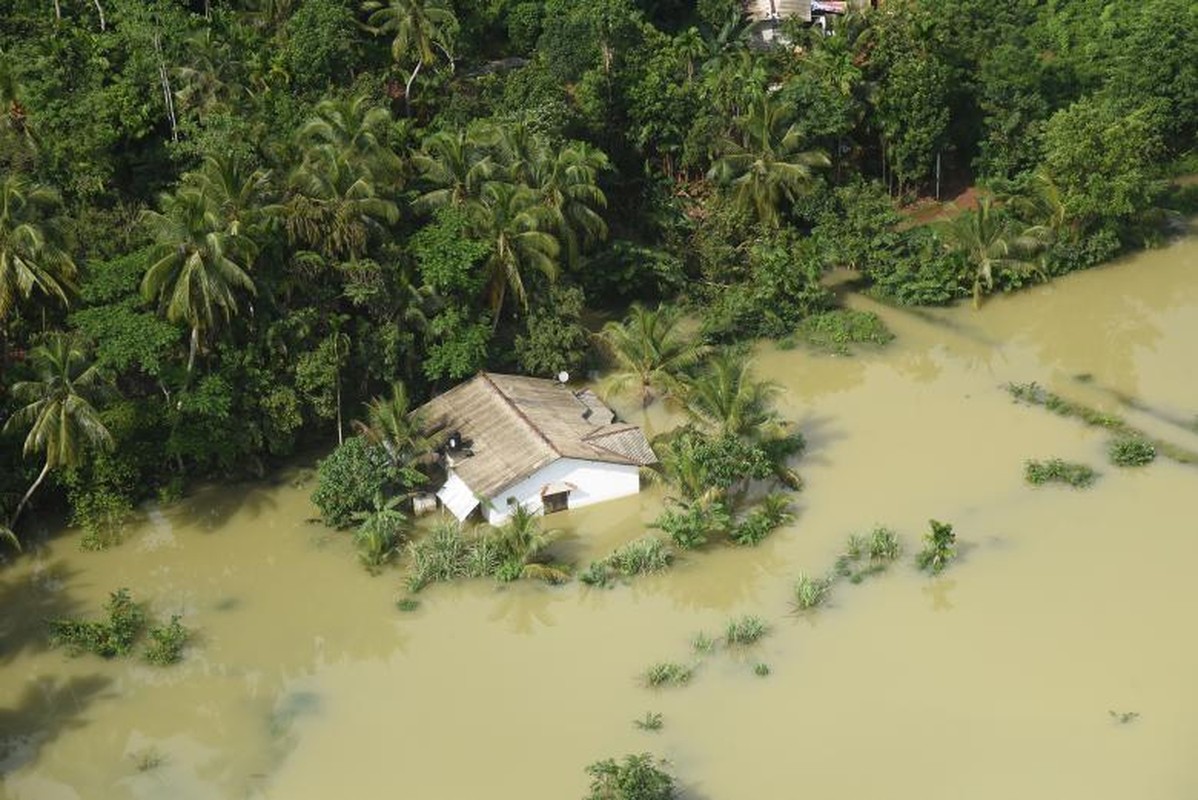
(511, 426)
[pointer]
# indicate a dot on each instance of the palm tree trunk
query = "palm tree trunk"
(100, 11)
(340, 435)
(407, 89)
(195, 345)
(12, 523)
(57, 11)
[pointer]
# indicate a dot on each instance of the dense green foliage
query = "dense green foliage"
(635, 777)
(1057, 470)
(939, 548)
(115, 636)
(167, 642)
(1132, 452)
(251, 218)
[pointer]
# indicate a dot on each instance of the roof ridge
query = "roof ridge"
(609, 429)
(520, 414)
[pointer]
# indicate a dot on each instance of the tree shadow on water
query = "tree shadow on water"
(46, 709)
(27, 600)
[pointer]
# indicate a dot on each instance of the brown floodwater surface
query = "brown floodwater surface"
(995, 680)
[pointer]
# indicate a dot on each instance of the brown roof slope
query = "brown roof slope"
(515, 425)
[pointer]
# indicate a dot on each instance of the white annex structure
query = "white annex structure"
(511, 440)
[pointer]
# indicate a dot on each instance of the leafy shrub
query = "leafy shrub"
(555, 338)
(636, 777)
(835, 330)
(103, 514)
(166, 643)
(1131, 452)
(645, 555)
(884, 544)
(938, 549)
(745, 631)
(810, 592)
(349, 480)
(113, 637)
(379, 532)
(692, 526)
(1056, 470)
(597, 574)
(668, 673)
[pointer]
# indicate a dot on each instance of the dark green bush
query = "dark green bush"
(349, 480)
(939, 548)
(837, 329)
(167, 641)
(113, 637)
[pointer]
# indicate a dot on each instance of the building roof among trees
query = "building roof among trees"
(510, 426)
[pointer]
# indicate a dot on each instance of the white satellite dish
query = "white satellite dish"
(563, 377)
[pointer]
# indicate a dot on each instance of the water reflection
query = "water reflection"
(937, 591)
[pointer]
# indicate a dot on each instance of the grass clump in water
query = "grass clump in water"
(640, 557)
(668, 673)
(652, 721)
(745, 630)
(166, 643)
(1131, 451)
(761, 669)
(939, 548)
(702, 643)
(868, 555)
(407, 604)
(810, 592)
(835, 330)
(1056, 470)
(773, 513)
(447, 554)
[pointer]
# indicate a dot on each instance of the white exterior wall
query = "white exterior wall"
(596, 481)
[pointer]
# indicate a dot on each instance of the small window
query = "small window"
(558, 501)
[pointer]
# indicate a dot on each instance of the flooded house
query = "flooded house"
(509, 440)
(768, 16)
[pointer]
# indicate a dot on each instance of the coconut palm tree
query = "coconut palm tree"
(522, 542)
(512, 221)
(566, 183)
(201, 265)
(237, 191)
(726, 400)
(357, 131)
(30, 259)
(990, 244)
(649, 351)
(391, 424)
(419, 28)
(765, 164)
(455, 164)
(334, 206)
(61, 421)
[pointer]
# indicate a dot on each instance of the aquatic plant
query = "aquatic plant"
(407, 604)
(447, 554)
(650, 722)
(835, 330)
(596, 574)
(668, 673)
(884, 544)
(379, 532)
(113, 637)
(636, 777)
(645, 555)
(745, 630)
(692, 525)
(1131, 451)
(810, 592)
(166, 643)
(761, 669)
(148, 759)
(1056, 470)
(938, 548)
(1124, 717)
(702, 643)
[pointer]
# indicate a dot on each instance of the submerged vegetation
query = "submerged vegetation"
(1056, 470)
(745, 630)
(119, 632)
(939, 548)
(810, 592)
(1131, 452)
(668, 673)
(639, 557)
(865, 556)
(835, 331)
(635, 777)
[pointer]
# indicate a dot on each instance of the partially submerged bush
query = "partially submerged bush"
(636, 777)
(771, 514)
(668, 673)
(702, 643)
(1056, 470)
(350, 479)
(692, 526)
(650, 722)
(745, 630)
(447, 554)
(810, 592)
(641, 556)
(761, 669)
(113, 637)
(939, 548)
(379, 532)
(835, 330)
(1131, 452)
(166, 642)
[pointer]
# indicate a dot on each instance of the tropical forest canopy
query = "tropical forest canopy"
(227, 225)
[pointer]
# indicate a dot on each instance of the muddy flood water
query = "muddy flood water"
(996, 680)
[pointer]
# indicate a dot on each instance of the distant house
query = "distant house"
(509, 440)
(766, 16)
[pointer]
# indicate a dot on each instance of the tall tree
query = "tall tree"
(390, 424)
(566, 183)
(649, 351)
(764, 163)
(419, 29)
(725, 398)
(57, 412)
(30, 256)
(455, 165)
(510, 219)
(201, 265)
(991, 244)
